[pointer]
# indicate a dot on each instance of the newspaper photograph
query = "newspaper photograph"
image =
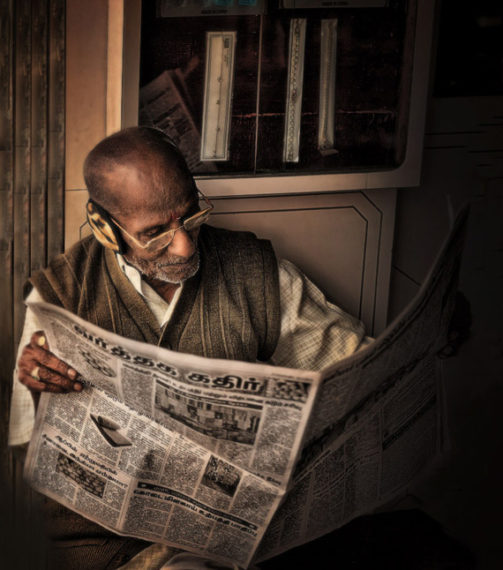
(241, 461)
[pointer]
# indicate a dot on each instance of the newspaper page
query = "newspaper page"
(378, 417)
(164, 446)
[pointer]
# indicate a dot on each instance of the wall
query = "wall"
(463, 162)
(86, 97)
(32, 123)
(32, 56)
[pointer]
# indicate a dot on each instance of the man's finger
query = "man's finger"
(48, 360)
(39, 376)
(36, 355)
(38, 386)
(42, 366)
(39, 339)
(51, 377)
(34, 373)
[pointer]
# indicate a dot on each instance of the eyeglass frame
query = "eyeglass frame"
(172, 231)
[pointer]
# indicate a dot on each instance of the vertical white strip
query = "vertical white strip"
(218, 84)
(291, 140)
(115, 42)
(259, 86)
(328, 67)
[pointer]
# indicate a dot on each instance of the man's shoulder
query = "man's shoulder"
(239, 252)
(79, 250)
(76, 254)
(65, 273)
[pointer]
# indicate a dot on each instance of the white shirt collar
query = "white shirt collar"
(162, 309)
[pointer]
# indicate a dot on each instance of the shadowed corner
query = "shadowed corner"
(23, 543)
(418, 542)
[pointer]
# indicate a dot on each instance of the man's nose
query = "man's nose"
(183, 244)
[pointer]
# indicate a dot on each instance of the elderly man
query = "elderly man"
(156, 273)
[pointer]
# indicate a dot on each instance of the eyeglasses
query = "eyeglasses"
(163, 240)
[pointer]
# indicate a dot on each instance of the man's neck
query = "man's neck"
(165, 290)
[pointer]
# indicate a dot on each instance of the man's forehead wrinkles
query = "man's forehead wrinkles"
(150, 216)
(149, 198)
(172, 204)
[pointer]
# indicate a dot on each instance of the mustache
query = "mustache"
(169, 261)
(177, 260)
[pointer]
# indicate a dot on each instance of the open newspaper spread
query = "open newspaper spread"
(240, 461)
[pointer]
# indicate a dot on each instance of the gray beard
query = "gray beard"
(168, 270)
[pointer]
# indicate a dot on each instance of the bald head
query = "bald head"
(145, 154)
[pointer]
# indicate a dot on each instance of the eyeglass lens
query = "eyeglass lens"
(188, 225)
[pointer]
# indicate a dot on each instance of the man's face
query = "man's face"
(150, 204)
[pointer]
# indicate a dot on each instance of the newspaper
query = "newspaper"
(165, 446)
(241, 461)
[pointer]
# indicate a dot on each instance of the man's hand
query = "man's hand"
(41, 371)
(459, 327)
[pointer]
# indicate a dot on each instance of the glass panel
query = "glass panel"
(370, 84)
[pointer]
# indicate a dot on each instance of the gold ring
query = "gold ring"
(34, 373)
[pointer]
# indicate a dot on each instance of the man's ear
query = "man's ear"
(103, 228)
(459, 328)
